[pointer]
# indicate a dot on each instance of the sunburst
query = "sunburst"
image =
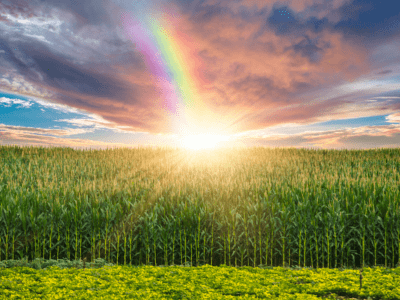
(202, 141)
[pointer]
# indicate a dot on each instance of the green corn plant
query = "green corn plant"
(25, 227)
(184, 232)
(393, 218)
(284, 216)
(124, 233)
(341, 234)
(224, 250)
(14, 211)
(140, 252)
(311, 211)
(44, 224)
(333, 217)
(105, 242)
(117, 246)
(247, 240)
(68, 223)
(130, 245)
(398, 235)
(275, 230)
(33, 217)
(327, 237)
(259, 231)
(76, 229)
(100, 218)
(362, 220)
(144, 236)
(305, 245)
(165, 237)
(374, 222)
(241, 250)
(93, 233)
(153, 229)
(229, 243)
(382, 207)
(180, 238)
(316, 241)
(299, 221)
(191, 248)
(147, 239)
(234, 235)
(204, 234)
(322, 241)
(197, 245)
(100, 231)
(255, 239)
(386, 221)
(58, 240)
(267, 237)
(212, 238)
(173, 222)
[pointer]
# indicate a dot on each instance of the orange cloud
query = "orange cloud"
(251, 74)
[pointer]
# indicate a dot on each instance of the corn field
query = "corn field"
(238, 207)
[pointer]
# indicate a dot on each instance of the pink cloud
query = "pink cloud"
(249, 76)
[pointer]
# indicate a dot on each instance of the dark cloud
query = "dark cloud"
(369, 20)
(318, 25)
(208, 12)
(385, 72)
(248, 14)
(19, 8)
(258, 88)
(188, 6)
(312, 49)
(92, 12)
(60, 73)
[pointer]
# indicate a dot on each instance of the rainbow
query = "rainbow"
(170, 59)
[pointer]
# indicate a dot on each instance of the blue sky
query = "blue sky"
(306, 74)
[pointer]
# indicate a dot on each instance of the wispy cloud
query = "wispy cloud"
(9, 102)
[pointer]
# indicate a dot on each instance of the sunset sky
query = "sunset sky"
(101, 74)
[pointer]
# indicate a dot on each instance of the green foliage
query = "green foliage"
(253, 207)
(205, 282)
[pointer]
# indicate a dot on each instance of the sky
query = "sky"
(321, 74)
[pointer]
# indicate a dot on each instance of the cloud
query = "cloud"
(17, 84)
(365, 137)
(9, 102)
(28, 136)
(256, 63)
(41, 131)
(387, 136)
(393, 118)
(95, 123)
(15, 135)
(385, 72)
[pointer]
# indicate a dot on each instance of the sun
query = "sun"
(202, 141)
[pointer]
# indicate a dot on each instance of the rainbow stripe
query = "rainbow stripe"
(170, 58)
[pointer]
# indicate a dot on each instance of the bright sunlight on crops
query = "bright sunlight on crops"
(251, 207)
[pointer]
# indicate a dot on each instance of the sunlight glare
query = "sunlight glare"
(202, 141)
